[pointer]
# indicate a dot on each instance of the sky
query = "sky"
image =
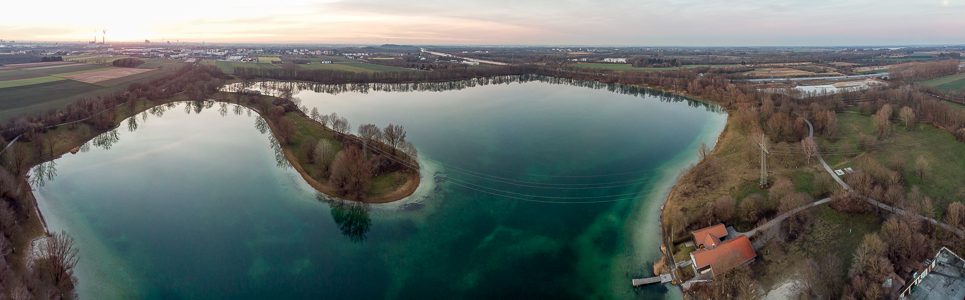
(496, 22)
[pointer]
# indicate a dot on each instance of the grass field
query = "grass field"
(332, 58)
(953, 84)
(945, 155)
(39, 97)
(229, 66)
(160, 63)
(31, 81)
(268, 59)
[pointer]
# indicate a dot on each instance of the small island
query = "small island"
(376, 166)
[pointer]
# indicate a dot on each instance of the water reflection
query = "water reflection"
(352, 217)
(223, 109)
(106, 140)
(280, 160)
(280, 88)
(132, 124)
(43, 173)
(261, 125)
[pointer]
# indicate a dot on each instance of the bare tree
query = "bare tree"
(324, 152)
(39, 141)
(907, 115)
(60, 258)
(810, 147)
(286, 130)
(330, 120)
(51, 144)
(882, 121)
(922, 168)
(394, 135)
(18, 156)
(703, 151)
(782, 187)
(809, 278)
(724, 208)
(955, 214)
(351, 173)
(315, 116)
(308, 148)
(410, 150)
(368, 133)
(750, 208)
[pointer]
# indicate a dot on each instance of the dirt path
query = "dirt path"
(874, 202)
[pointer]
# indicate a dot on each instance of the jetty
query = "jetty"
(663, 278)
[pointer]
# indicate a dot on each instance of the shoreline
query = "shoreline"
(400, 193)
(407, 189)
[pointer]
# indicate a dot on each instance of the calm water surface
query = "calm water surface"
(533, 189)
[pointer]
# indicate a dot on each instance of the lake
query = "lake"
(531, 187)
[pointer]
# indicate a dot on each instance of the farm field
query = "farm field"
(46, 85)
(229, 66)
(268, 59)
(93, 59)
(29, 81)
(953, 84)
(160, 63)
(629, 67)
(38, 97)
(95, 77)
(25, 74)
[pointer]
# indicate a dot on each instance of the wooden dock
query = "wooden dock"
(663, 278)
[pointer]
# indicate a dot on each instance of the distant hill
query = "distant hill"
(394, 48)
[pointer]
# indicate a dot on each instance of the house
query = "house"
(714, 233)
(714, 255)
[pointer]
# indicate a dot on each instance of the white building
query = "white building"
(622, 60)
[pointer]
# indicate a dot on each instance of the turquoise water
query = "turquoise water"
(544, 188)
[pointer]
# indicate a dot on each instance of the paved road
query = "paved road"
(885, 74)
(780, 218)
(482, 61)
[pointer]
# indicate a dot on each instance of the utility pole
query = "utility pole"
(764, 152)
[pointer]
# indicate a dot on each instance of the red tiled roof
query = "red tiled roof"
(711, 241)
(718, 231)
(726, 255)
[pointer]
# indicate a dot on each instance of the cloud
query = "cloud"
(572, 22)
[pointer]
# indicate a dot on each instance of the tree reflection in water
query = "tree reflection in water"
(132, 124)
(352, 217)
(43, 173)
(106, 140)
